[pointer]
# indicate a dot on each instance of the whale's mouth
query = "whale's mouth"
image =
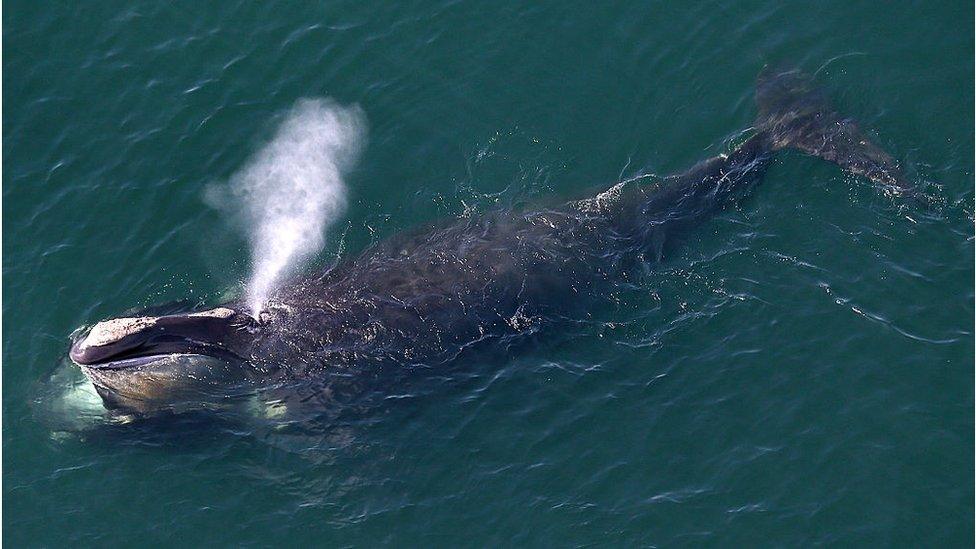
(148, 362)
(136, 341)
(157, 349)
(157, 358)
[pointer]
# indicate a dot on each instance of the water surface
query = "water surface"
(800, 371)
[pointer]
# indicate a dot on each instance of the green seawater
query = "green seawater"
(798, 372)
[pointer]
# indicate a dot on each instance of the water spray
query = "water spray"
(292, 190)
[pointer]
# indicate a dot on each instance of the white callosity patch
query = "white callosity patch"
(110, 331)
(292, 190)
(219, 312)
(603, 201)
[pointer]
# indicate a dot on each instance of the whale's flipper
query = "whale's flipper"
(795, 113)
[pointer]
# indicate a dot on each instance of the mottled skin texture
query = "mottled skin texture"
(426, 296)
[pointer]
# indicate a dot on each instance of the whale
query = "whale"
(429, 296)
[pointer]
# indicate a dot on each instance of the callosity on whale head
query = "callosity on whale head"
(144, 363)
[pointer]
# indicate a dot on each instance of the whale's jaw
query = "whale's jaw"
(147, 363)
(161, 382)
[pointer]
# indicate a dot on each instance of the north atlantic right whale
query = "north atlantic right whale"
(425, 297)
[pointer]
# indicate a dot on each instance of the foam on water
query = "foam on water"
(290, 192)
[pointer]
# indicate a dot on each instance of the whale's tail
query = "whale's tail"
(794, 113)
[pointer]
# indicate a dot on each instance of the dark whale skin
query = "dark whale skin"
(424, 297)
(427, 296)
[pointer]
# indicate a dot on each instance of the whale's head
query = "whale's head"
(145, 363)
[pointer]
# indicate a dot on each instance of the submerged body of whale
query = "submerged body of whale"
(425, 298)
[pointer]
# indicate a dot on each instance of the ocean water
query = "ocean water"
(799, 371)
